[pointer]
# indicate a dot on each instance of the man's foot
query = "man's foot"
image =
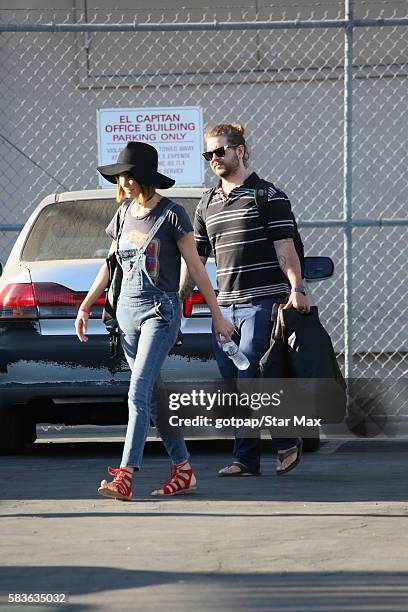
(237, 469)
(180, 480)
(288, 459)
(121, 485)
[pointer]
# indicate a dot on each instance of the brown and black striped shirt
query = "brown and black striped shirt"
(247, 265)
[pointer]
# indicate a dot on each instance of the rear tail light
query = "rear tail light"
(195, 306)
(17, 301)
(43, 301)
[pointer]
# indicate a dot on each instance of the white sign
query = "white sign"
(176, 133)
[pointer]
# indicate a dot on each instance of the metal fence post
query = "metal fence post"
(347, 190)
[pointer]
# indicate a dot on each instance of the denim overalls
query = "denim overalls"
(148, 321)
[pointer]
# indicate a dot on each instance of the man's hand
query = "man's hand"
(298, 301)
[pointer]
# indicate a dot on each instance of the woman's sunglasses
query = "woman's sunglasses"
(220, 152)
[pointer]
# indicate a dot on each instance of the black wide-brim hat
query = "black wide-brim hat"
(140, 160)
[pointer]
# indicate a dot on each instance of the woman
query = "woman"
(148, 238)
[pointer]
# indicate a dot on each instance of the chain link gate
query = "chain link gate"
(282, 75)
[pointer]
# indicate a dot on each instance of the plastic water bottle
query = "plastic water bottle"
(233, 352)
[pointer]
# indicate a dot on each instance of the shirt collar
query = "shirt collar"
(250, 183)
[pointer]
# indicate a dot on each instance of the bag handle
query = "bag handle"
(278, 326)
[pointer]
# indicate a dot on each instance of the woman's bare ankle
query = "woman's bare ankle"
(127, 468)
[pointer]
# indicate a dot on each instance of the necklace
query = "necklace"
(136, 208)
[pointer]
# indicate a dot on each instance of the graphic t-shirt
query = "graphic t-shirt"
(163, 257)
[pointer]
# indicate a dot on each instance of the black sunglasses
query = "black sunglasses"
(220, 152)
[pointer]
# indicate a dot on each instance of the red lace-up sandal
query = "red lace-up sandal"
(180, 480)
(121, 485)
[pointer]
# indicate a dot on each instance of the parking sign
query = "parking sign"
(176, 133)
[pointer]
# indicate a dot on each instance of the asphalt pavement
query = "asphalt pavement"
(329, 536)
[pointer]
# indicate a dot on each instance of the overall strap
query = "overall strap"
(168, 207)
(121, 220)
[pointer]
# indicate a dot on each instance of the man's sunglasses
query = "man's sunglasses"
(220, 152)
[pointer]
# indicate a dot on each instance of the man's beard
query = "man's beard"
(230, 168)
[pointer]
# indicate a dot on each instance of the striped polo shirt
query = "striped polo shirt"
(247, 265)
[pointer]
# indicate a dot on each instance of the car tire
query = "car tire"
(311, 445)
(12, 433)
(30, 431)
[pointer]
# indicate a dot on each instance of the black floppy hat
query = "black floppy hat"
(140, 160)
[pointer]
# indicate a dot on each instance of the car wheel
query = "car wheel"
(311, 445)
(30, 431)
(12, 434)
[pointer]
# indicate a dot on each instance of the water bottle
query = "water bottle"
(233, 352)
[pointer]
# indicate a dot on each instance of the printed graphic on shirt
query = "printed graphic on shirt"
(134, 240)
(152, 259)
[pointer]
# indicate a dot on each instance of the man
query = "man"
(256, 262)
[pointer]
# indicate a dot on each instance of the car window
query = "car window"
(70, 230)
(76, 229)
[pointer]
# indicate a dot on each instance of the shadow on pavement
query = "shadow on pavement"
(314, 591)
(356, 471)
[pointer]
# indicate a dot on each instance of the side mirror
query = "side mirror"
(318, 268)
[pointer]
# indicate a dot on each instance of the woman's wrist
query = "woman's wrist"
(217, 315)
(84, 309)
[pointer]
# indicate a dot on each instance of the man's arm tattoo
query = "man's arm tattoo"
(281, 258)
(282, 262)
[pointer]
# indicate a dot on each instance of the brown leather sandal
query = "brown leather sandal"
(282, 465)
(240, 470)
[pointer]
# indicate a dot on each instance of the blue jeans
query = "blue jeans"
(148, 320)
(253, 326)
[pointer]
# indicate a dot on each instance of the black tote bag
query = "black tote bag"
(301, 348)
(310, 354)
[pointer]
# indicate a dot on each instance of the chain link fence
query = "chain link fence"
(284, 83)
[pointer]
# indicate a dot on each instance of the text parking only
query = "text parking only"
(176, 133)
